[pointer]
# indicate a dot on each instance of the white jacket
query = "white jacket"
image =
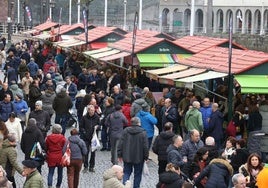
(14, 128)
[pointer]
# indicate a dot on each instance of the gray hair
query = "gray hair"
(210, 141)
(196, 104)
(56, 129)
(235, 178)
(135, 121)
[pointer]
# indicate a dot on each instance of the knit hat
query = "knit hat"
(20, 95)
(30, 163)
(39, 103)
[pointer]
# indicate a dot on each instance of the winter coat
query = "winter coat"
(118, 98)
(47, 99)
(9, 159)
(252, 179)
(14, 128)
(47, 66)
(170, 179)
(34, 180)
(54, 146)
(77, 146)
(158, 115)
(254, 121)
(254, 142)
(126, 111)
(133, 146)
(189, 148)
(116, 121)
(86, 127)
(219, 172)
(215, 124)
(107, 111)
(239, 158)
(62, 103)
(137, 105)
(5, 110)
(14, 88)
(193, 120)
(42, 118)
(34, 95)
(72, 90)
(206, 113)
(20, 108)
(33, 68)
(172, 116)
(161, 143)
(110, 180)
(147, 122)
(264, 140)
(31, 135)
(3, 92)
(174, 156)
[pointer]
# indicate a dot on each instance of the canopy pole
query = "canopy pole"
(230, 76)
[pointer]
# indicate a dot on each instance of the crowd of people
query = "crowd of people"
(197, 144)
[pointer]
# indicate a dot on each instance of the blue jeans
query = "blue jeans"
(51, 173)
(150, 140)
(128, 167)
(62, 119)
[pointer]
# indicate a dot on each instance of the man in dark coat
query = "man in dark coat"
(34, 94)
(6, 107)
(89, 122)
(133, 150)
(42, 118)
(170, 114)
(215, 123)
(161, 143)
(31, 135)
(5, 90)
(61, 104)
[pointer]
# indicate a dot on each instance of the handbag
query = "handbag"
(66, 158)
(37, 153)
(95, 143)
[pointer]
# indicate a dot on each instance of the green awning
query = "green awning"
(155, 60)
(253, 83)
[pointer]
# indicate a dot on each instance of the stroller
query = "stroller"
(73, 120)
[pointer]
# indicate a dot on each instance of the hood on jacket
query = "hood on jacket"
(143, 113)
(14, 87)
(55, 138)
(30, 129)
(7, 144)
(166, 135)
(108, 174)
(135, 130)
(74, 139)
(193, 111)
(169, 177)
(223, 162)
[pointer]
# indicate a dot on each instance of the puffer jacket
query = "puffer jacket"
(133, 146)
(62, 103)
(193, 120)
(54, 145)
(110, 180)
(116, 121)
(86, 127)
(34, 180)
(77, 146)
(137, 105)
(8, 158)
(215, 125)
(147, 122)
(14, 88)
(5, 109)
(161, 143)
(219, 172)
(170, 180)
(47, 99)
(174, 156)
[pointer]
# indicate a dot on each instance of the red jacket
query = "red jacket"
(126, 112)
(54, 145)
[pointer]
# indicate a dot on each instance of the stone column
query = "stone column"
(171, 11)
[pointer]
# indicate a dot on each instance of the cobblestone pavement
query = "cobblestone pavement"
(89, 179)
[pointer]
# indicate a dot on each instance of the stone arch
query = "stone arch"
(177, 19)
(238, 21)
(165, 22)
(219, 21)
(199, 20)
(229, 13)
(248, 21)
(265, 21)
(257, 22)
(187, 19)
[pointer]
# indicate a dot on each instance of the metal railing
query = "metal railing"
(14, 28)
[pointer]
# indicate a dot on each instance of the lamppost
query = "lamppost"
(105, 13)
(9, 20)
(70, 12)
(78, 11)
(43, 10)
(140, 15)
(125, 15)
(51, 6)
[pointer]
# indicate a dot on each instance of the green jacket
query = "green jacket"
(193, 120)
(34, 180)
(8, 153)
